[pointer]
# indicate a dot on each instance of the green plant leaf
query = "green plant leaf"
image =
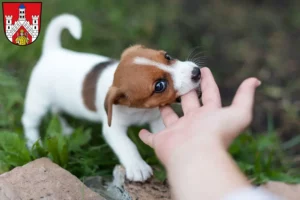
(38, 151)
(160, 173)
(56, 143)
(54, 128)
(79, 138)
(52, 147)
(64, 155)
(4, 168)
(14, 149)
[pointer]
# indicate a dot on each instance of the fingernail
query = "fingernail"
(258, 83)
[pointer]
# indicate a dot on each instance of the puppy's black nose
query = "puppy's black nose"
(196, 74)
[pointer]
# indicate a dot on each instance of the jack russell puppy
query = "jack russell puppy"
(100, 89)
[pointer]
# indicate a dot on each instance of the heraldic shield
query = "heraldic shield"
(22, 21)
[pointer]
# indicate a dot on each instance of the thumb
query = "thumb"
(244, 98)
(239, 113)
(146, 137)
(245, 94)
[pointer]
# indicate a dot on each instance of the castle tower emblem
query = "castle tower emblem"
(22, 21)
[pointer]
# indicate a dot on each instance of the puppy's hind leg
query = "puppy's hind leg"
(66, 128)
(35, 109)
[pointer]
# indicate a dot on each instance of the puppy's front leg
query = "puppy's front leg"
(157, 125)
(136, 168)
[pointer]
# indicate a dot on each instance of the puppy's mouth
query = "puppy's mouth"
(199, 94)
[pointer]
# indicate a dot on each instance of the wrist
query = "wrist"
(203, 169)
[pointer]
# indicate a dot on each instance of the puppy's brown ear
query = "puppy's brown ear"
(112, 97)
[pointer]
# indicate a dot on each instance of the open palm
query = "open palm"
(208, 125)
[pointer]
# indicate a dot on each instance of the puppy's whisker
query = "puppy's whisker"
(201, 64)
(197, 55)
(200, 61)
(192, 53)
(199, 58)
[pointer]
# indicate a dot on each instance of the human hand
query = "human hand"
(208, 126)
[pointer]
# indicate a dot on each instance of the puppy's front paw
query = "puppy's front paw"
(138, 171)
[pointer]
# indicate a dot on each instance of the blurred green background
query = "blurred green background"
(238, 39)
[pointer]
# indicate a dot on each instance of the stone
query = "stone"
(284, 190)
(43, 180)
(7, 191)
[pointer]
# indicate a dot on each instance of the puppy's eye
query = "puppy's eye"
(160, 86)
(168, 57)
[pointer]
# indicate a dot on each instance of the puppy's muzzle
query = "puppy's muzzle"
(196, 74)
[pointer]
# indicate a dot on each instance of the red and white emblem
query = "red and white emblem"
(22, 21)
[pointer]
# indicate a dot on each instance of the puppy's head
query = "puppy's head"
(148, 78)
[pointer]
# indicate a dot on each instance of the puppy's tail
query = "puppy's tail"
(54, 29)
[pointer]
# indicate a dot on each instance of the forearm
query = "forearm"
(220, 175)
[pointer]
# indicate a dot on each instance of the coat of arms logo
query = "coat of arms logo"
(22, 21)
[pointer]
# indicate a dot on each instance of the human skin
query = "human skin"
(193, 148)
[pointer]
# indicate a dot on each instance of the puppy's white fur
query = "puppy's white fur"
(180, 73)
(56, 85)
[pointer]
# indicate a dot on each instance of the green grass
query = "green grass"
(261, 156)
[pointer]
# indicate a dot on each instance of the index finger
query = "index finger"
(210, 90)
(190, 101)
(168, 115)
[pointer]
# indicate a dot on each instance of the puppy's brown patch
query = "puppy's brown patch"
(90, 83)
(133, 84)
